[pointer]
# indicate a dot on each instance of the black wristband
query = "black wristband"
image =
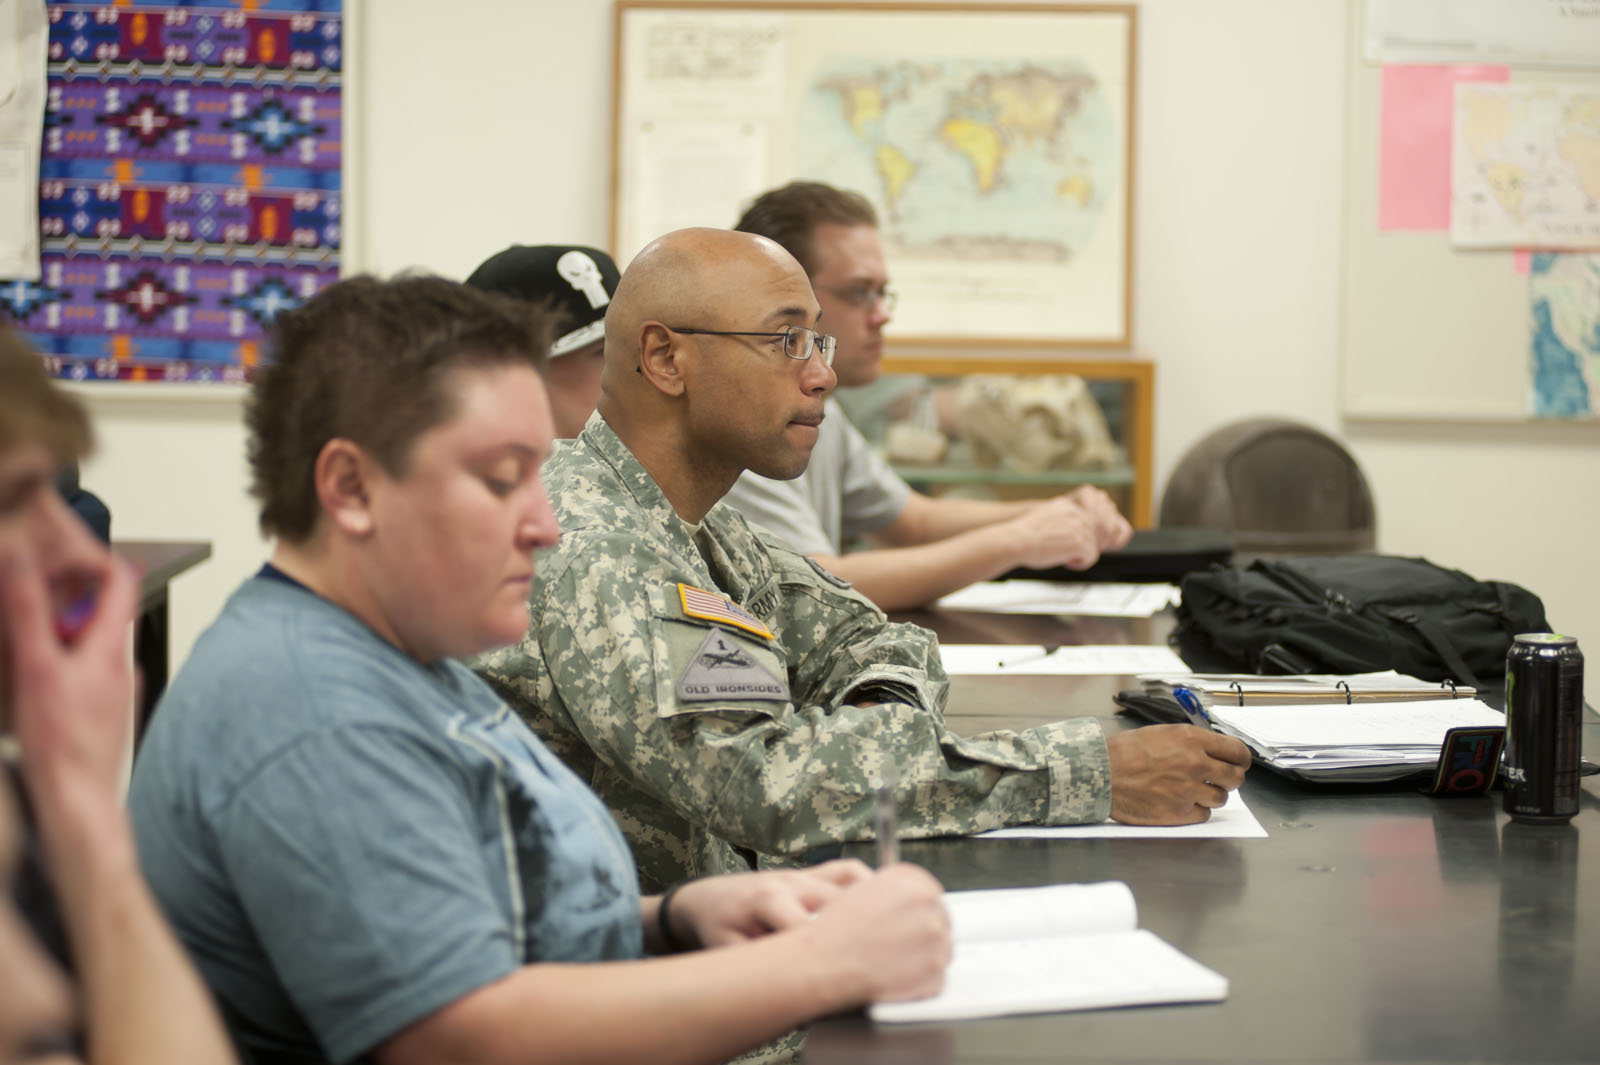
(664, 924)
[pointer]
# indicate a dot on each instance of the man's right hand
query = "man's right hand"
(1172, 774)
(71, 700)
(1112, 530)
(1057, 532)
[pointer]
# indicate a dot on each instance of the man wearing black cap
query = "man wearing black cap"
(577, 283)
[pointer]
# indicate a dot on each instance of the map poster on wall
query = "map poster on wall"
(994, 141)
(1526, 166)
(1564, 362)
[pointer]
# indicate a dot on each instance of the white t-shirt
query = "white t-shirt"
(846, 492)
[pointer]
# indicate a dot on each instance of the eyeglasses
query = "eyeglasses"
(863, 296)
(798, 341)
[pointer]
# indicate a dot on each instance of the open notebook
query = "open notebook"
(1044, 949)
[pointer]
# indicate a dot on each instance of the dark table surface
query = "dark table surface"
(158, 562)
(1373, 925)
(161, 560)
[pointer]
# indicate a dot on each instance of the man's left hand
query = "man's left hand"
(1111, 528)
(721, 910)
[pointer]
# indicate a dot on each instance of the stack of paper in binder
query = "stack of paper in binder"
(1243, 688)
(1354, 741)
(1154, 698)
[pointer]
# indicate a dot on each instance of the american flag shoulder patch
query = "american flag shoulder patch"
(709, 606)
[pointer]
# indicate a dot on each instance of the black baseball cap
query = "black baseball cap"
(575, 280)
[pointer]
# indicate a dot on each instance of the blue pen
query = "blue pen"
(1195, 704)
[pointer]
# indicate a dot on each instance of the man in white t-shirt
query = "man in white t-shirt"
(923, 546)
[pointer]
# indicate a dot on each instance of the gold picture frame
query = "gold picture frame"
(1132, 485)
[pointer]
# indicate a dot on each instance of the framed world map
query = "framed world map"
(994, 140)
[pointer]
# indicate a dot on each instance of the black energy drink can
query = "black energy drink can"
(1544, 727)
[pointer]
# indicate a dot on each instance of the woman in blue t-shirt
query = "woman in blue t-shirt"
(367, 853)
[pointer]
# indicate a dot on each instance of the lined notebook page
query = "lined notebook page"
(1063, 947)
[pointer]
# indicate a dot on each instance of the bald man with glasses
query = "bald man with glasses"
(732, 702)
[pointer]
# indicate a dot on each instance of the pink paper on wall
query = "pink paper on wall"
(1522, 262)
(1414, 143)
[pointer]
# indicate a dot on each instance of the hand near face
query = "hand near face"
(70, 699)
(1172, 774)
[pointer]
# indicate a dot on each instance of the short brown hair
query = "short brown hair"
(366, 360)
(789, 215)
(33, 407)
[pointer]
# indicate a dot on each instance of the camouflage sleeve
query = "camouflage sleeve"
(758, 738)
(841, 647)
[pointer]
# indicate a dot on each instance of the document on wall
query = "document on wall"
(1558, 33)
(999, 659)
(1524, 174)
(1234, 820)
(24, 47)
(1105, 599)
(697, 168)
(1056, 948)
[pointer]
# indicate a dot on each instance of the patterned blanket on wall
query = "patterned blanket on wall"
(189, 184)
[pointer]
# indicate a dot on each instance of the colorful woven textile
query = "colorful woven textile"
(189, 184)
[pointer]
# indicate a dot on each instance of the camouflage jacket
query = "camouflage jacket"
(735, 705)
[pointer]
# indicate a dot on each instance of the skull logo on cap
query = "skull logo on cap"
(583, 274)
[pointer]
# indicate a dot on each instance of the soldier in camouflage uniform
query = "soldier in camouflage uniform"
(732, 702)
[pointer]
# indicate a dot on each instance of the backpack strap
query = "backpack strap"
(1445, 650)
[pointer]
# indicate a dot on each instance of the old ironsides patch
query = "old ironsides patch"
(721, 669)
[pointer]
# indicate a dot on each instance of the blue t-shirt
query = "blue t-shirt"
(347, 840)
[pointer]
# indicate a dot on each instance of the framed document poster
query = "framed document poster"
(995, 141)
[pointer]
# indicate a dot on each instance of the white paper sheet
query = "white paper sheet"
(696, 168)
(999, 659)
(24, 44)
(1232, 821)
(1063, 597)
(1362, 741)
(1373, 726)
(1062, 947)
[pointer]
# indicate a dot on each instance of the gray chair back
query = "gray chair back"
(1277, 487)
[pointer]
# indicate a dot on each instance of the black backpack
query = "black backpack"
(1353, 614)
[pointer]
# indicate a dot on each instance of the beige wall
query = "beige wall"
(1239, 200)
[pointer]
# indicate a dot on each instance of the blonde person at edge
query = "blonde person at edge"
(368, 853)
(66, 691)
(922, 546)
